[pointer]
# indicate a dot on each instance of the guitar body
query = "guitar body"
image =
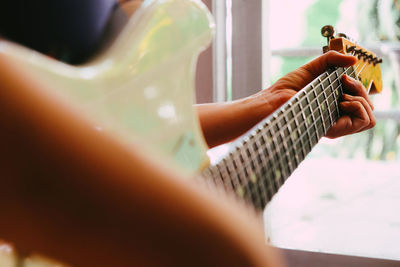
(142, 86)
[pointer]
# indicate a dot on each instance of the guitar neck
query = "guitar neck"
(261, 161)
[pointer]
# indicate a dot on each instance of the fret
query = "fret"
(320, 130)
(252, 190)
(238, 163)
(273, 166)
(336, 83)
(310, 122)
(244, 190)
(297, 146)
(292, 155)
(280, 169)
(340, 71)
(283, 125)
(227, 182)
(269, 155)
(326, 106)
(300, 133)
(324, 81)
(254, 170)
(309, 111)
(302, 123)
(319, 109)
(334, 112)
(232, 170)
(219, 179)
(273, 158)
(263, 164)
(244, 157)
(267, 164)
(350, 72)
(335, 92)
(295, 126)
(330, 109)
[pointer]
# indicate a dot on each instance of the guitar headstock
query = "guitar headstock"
(367, 66)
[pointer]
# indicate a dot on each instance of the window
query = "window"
(344, 197)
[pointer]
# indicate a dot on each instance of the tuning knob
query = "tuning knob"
(328, 31)
(350, 48)
(377, 61)
(369, 58)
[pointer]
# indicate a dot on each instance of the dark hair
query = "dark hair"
(66, 29)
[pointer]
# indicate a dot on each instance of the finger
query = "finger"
(328, 60)
(342, 126)
(355, 119)
(367, 107)
(354, 87)
(357, 113)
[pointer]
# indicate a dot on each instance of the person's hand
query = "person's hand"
(356, 108)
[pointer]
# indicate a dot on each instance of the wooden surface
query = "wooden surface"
(246, 47)
(204, 72)
(298, 258)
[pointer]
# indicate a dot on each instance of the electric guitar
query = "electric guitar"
(142, 88)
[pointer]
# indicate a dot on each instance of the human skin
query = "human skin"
(78, 195)
(223, 122)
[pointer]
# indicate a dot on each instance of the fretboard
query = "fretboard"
(261, 160)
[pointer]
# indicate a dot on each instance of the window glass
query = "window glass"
(344, 197)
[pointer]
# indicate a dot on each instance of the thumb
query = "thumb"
(328, 60)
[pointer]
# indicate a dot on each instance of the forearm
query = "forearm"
(223, 122)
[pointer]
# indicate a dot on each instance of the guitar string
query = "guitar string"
(267, 187)
(325, 101)
(321, 82)
(300, 140)
(308, 93)
(282, 156)
(274, 122)
(328, 77)
(240, 183)
(335, 90)
(296, 116)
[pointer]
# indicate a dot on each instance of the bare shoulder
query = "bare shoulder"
(130, 6)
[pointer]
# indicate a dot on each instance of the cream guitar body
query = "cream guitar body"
(142, 86)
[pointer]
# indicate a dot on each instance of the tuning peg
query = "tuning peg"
(362, 54)
(328, 31)
(350, 48)
(359, 53)
(340, 34)
(377, 60)
(369, 58)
